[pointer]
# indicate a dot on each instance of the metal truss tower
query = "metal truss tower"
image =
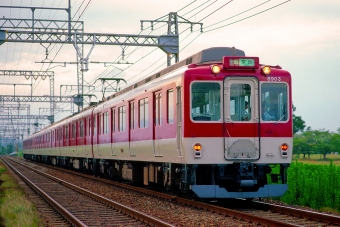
(77, 37)
(34, 75)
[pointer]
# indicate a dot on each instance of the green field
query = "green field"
(318, 159)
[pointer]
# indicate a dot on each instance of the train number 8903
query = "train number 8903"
(274, 78)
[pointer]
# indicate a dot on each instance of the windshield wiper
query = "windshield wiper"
(280, 119)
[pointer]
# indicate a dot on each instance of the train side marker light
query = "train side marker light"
(197, 150)
(215, 69)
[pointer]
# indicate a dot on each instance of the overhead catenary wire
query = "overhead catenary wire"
(181, 33)
(87, 5)
(238, 14)
(154, 30)
(182, 40)
(215, 11)
(234, 22)
(61, 44)
(255, 14)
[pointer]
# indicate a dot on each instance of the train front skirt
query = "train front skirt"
(214, 191)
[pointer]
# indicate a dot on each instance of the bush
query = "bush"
(316, 186)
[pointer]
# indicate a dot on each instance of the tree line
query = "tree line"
(308, 141)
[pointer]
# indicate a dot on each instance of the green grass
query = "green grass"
(15, 208)
(315, 186)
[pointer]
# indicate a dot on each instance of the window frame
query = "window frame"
(143, 113)
(170, 106)
(198, 120)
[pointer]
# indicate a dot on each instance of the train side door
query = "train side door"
(66, 142)
(94, 134)
(241, 118)
(88, 135)
(113, 130)
(157, 98)
(81, 137)
(98, 131)
(179, 122)
(132, 127)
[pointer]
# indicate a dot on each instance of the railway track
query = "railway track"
(49, 216)
(252, 214)
(80, 207)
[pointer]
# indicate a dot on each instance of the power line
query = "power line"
(248, 16)
(238, 14)
(78, 9)
(215, 11)
(186, 6)
(84, 10)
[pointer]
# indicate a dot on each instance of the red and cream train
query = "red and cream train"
(213, 125)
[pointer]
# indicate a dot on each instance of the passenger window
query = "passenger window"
(121, 119)
(170, 106)
(66, 133)
(132, 115)
(73, 130)
(157, 111)
(81, 128)
(143, 113)
(274, 102)
(205, 101)
(105, 123)
(240, 102)
(113, 113)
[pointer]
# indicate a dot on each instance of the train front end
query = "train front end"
(237, 128)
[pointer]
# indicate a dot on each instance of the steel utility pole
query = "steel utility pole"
(172, 20)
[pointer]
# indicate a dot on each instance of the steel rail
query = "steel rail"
(199, 205)
(60, 209)
(125, 209)
(326, 218)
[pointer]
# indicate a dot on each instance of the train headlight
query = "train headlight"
(284, 150)
(197, 150)
(266, 70)
(215, 69)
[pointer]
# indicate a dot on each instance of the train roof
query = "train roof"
(214, 54)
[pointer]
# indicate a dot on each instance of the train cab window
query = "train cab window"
(170, 106)
(205, 101)
(81, 127)
(240, 102)
(274, 102)
(105, 123)
(143, 113)
(122, 119)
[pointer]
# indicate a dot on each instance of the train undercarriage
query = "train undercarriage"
(237, 180)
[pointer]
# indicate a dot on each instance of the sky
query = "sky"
(302, 36)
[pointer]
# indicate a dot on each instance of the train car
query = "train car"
(213, 125)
